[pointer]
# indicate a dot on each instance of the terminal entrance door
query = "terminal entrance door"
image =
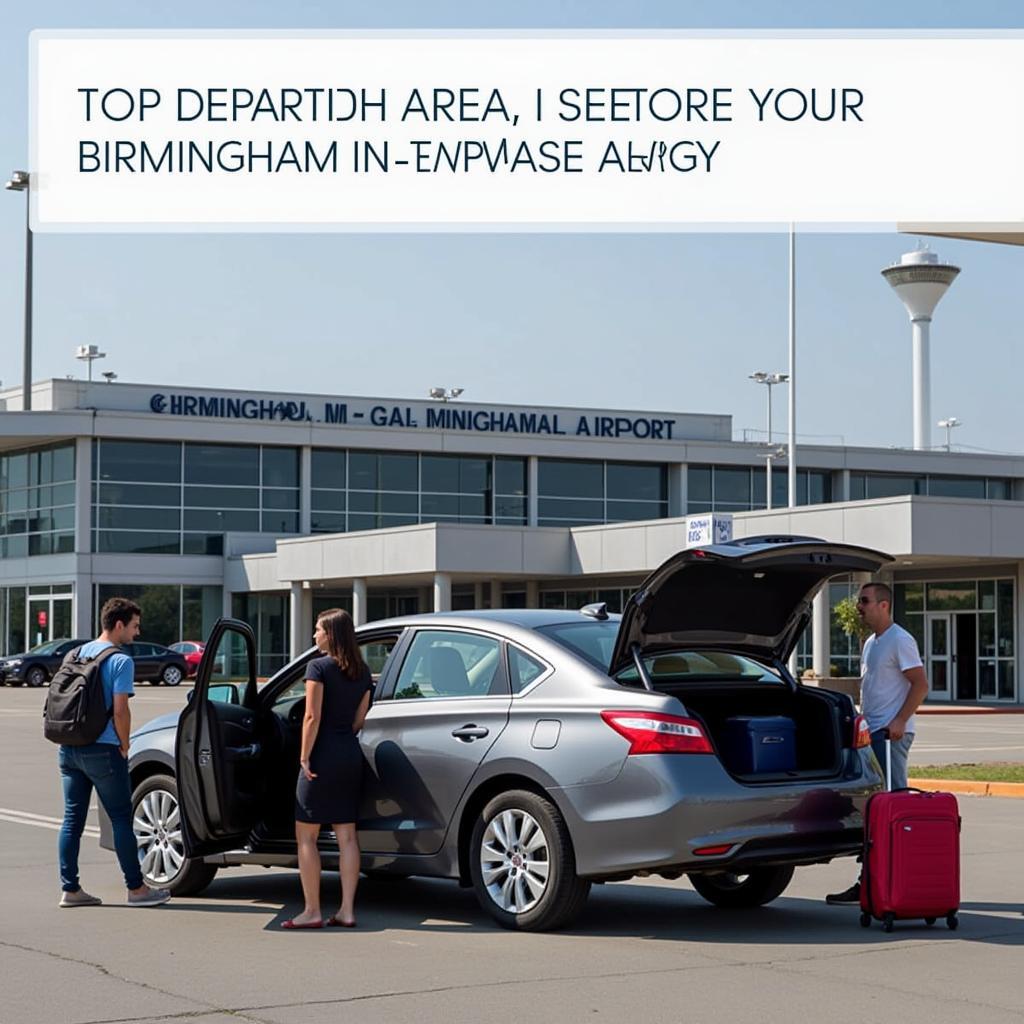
(939, 655)
(49, 618)
(965, 656)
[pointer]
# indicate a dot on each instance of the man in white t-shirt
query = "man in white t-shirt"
(893, 685)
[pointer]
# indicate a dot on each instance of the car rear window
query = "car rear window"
(592, 641)
(699, 666)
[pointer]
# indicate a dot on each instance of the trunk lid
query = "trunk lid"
(751, 596)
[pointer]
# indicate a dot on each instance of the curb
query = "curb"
(963, 786)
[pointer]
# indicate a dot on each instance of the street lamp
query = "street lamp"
(769, 380)
(90, 353)
(445, 394)
(19, 182)
(949, 425)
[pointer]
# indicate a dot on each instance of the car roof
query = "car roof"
(523, 618)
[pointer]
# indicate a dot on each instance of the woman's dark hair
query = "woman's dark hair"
(341, 641)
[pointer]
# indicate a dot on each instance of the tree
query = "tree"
(849, 621)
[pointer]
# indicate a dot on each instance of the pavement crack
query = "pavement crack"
(207, 1008)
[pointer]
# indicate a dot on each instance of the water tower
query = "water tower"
(920, 280)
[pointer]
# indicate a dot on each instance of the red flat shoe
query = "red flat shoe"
(292, 926)
(336, 922)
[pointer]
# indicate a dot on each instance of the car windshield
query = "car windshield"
(592, 641)
(47, 648)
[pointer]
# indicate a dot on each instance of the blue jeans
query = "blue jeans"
(900, 754)
(100, 766)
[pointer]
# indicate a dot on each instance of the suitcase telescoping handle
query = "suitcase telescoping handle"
(888, 761)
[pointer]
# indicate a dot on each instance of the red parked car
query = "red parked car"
(192, 652)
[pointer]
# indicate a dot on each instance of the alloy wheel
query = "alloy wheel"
(157, 826)
(514, 860)
(171, 675)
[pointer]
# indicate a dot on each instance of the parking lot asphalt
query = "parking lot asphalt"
(648, 949)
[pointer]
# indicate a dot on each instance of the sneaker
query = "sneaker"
(848, 896)
(79, 898)
(149, 898)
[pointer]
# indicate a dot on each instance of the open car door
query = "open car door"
(218, 756)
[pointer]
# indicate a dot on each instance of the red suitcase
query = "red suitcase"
(911, 857)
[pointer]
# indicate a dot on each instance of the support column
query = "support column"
(359, 601)
(84, 622)
(305, 490)
(844, 485)
(677, 489)
(83, 499)
(226, 604)
(300, 619)
(821, 621)
(495, 593)
(478, 595)
(532, 594)
(531, 491)
(442, 592)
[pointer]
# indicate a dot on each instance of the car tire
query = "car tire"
(522, 863)
(36, 676)
(155, 818)
(736, 891)
(171, 675)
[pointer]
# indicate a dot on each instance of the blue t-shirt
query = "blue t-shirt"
(118, 675)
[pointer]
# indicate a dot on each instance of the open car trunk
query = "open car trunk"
(818, 725)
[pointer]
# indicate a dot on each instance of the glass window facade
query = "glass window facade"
(170, 612)
(159, 497)
(368, 490)
(37, 501)
(577, 492)
(866, 486)
(268, 616)
(743, 488)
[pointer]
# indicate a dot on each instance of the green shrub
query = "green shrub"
(849, 621)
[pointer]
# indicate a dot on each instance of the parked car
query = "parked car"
(156, 664)
(192, 652)
(35, 666)
(531, 753)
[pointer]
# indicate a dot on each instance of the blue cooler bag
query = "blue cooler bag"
(753, 745)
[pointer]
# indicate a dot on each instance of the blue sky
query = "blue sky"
(667, 322)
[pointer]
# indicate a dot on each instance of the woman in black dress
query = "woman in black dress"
(331, 764)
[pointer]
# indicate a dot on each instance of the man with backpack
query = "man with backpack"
(87, 714)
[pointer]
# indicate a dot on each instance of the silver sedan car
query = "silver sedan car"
(529, 754)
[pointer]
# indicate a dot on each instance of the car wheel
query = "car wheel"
(35, 676)
(522, 863)
(733, 891)
(157, 823)
(171, 675)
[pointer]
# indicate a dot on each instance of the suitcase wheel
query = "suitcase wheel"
(929, 921)
(887, 922)
(865, 920)
(952, 921)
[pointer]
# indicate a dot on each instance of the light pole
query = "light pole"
(89, 354)
(949, 425)
(19, 182)
(769, 380)
(445, 394)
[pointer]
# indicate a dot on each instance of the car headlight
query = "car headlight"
(14, 663)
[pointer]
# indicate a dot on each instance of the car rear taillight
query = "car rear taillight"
(650, 732)
(861, 733)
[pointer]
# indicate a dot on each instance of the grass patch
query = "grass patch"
(997, 771)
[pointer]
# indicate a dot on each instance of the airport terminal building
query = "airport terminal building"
(270, 507)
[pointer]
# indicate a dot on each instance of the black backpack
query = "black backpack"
(76, 712)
